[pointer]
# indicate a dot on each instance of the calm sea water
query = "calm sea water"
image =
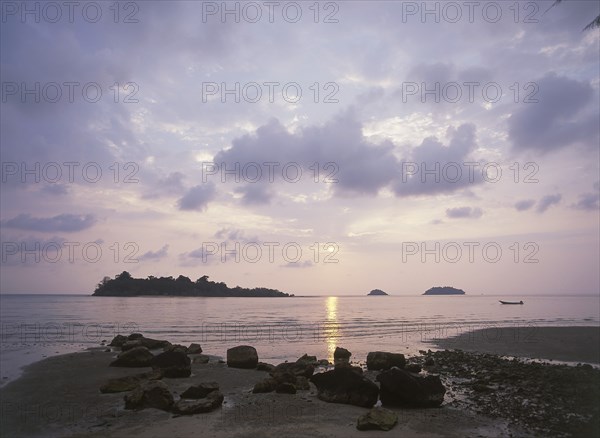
(36, 326)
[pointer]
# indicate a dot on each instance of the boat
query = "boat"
(511, 302)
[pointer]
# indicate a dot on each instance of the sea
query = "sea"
(33, 327)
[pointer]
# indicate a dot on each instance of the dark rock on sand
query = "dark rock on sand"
(242, 356)
(341, 353)
(153, 394)
(118, 341)
(128, 345)
(176, 347)
(136, 357)
(262, 366)
(202, 358)
(200, 390)
(302, 383)
(285, 388)
(343, 385)
(149, 343)
(266, 385)
(194, 348)
(173, 364)
(296, 368)
(382, 360)
(413, 368)
(209, 403)
(401, 388)
(308, 359)
(128, 383)
(377, 419)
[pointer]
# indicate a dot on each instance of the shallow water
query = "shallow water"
(34, 326)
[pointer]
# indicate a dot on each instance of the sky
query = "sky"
(319, 148)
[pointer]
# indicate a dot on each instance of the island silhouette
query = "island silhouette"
(124, 285)
(445, 290)
(377, 292)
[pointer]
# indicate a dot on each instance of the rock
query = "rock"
(309, 359)
(382, 360)
(202, 358)
(401, 388)
(173, 364)
(285, 388)
(266, 385)
(136, 357)
(200, 390)
(413, 368)
(343, 385)
(176, 347)
(152, 394)
(429, 362)
(108, 350)
(341, 353)
(194, 348)
(262, 366)
(149, 343)
(131, 344)
(209, 403)
(323, 363)
(242, 356)
(296, 368)
(128, 383)
(302, 383)
(118, 341)
(377, 419)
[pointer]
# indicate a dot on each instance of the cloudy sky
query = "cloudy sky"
(316, 148)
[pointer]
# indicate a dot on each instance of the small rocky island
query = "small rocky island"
(377, 292)
(446, 290)
(124, 285)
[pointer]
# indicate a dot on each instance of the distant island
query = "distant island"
(446, 290)
(377, 292)
(124, 285)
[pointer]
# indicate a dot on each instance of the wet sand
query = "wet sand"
(567, 344)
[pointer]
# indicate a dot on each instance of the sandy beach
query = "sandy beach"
(60, 397)
(567, 344)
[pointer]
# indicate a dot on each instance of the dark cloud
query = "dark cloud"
(437, 168)
(464, 212)
(557, 120)
(255, 194)
(62, 222)
(589, 201)
(155, 255)
(198, 197)
(547, 201)
(172, 184)
(524, 205)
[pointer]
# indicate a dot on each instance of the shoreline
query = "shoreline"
(59, 396)
(570, 344)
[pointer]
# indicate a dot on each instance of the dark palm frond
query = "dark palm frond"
(594, 24)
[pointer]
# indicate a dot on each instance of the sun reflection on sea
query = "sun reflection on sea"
(331, 331)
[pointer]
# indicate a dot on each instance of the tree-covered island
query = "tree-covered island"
(124, 285)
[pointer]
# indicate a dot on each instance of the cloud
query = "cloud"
(547, 201)
(434, 168)
(255, 194)
(464, 212)
(198, 197)
(62, 222)
(524, 205)
(589, 201)
(555, 121)
(155, 255)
